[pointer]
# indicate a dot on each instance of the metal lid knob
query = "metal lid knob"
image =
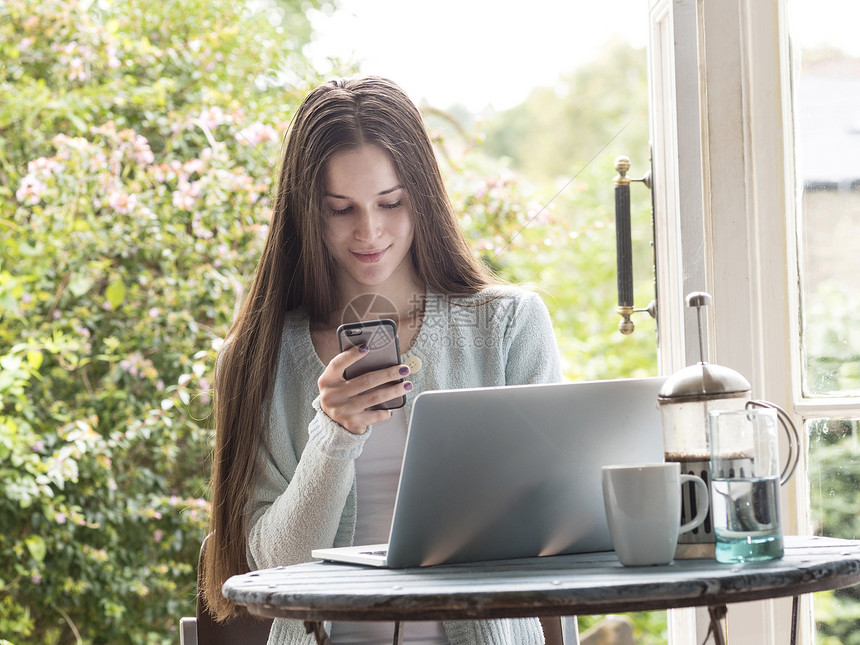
(699, 299)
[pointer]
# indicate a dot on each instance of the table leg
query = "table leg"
(717, 614)
(398, 632)
(318, 630)
(795, 615)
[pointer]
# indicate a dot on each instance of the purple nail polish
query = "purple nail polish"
(407, 386)
(363, 349)
(404, 371)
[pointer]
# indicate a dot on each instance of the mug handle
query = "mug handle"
(702, 510)
(790, 432)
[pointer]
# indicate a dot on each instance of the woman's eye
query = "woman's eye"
(392, 206)
(341, 211)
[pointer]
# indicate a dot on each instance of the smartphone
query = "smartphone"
(380, 336)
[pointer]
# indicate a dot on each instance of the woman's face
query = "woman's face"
(368, 221)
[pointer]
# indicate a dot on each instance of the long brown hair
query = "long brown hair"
(296, 270)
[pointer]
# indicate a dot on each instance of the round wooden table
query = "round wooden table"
(565, 585)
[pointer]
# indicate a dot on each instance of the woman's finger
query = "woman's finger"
(376, 378)
(384, 394)
(339, 363)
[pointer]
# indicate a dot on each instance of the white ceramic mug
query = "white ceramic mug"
(643, 509)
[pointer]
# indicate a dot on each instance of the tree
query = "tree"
(135, 166)
(136, 162)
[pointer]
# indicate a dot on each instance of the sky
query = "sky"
(491, 53)
(477, 53)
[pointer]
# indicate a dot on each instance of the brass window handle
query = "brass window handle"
(624, 246)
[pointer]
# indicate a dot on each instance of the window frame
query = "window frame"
(726, 207)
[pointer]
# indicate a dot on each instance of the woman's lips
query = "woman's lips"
(369, 257)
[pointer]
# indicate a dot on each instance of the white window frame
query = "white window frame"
(725, 222)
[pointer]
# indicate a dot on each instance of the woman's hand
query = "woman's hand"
(346, 401)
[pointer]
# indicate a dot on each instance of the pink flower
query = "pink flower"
(76, 57)
(157, 535)
(183, 201)
(44, 166)
(113, 60)
(193, 165)
(31, 189)
(61, 518)
(76, 69)
(121, 201)
(205, 391)
(256, 133)
(213, 117)
(186, 194)
(142, 152)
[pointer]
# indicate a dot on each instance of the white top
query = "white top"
(378, 473)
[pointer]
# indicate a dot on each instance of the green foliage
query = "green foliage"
(567, 252)
(837, 619)
(834, 474)
(831, 340)
(135, 169)
(562, 143)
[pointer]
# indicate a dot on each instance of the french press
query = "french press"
(686, 400)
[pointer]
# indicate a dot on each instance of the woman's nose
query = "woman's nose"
(367, 226)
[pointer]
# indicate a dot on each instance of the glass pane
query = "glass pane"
(827, 104)
(834, 485)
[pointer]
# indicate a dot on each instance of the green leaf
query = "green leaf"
(36, 546)
(115, 292)
(79, 285)
(35, 357)
(11, 362)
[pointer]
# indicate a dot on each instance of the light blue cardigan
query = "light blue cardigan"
(305, 496)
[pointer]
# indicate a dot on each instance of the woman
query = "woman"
(361, 226)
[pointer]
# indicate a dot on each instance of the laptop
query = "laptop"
(513, 471)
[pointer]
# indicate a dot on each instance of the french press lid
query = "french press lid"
(703, 381)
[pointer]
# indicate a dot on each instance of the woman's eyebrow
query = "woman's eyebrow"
(379, 194)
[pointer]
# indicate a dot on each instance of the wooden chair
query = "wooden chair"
(202, 629)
